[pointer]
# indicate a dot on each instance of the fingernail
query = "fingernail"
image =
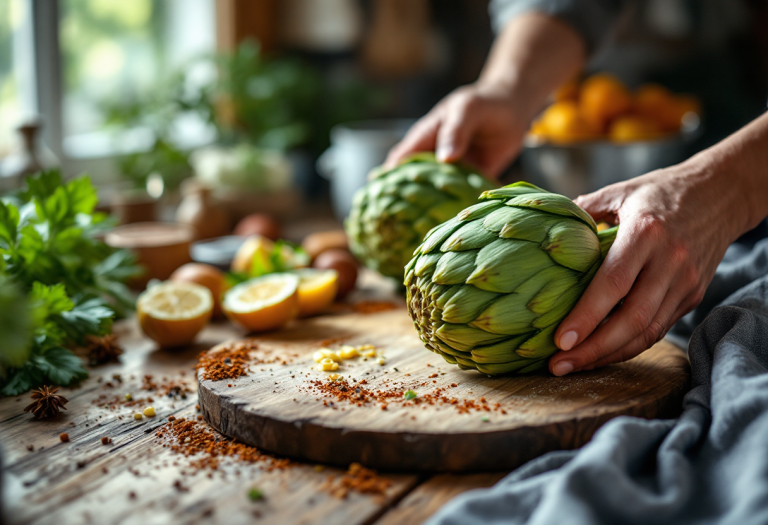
(562, 368)
(567, 340)
(444, 153)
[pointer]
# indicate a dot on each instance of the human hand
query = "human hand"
(478, 125)
(676, 224)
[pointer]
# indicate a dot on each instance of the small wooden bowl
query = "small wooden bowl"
(160, 247)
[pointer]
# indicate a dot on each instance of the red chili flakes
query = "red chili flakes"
(196, 440)
(372, 307)
(106, 440)
(432, 375)
(358, 394)
(64, 437)
(358, 479)
(233, 360)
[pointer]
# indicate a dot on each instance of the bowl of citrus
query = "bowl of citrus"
(597, 131)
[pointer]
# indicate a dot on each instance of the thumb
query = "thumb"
(602, 205)
(454, 135)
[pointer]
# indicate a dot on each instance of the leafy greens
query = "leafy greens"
(73, 282)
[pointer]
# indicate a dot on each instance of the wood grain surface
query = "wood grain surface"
(135, 479)
(495, 423)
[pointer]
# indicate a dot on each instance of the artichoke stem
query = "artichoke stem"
(606, 238)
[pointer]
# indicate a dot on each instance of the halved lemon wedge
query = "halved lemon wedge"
(317, 289)
(263, 303)
(173, 313)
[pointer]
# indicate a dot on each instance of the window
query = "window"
(106, 50)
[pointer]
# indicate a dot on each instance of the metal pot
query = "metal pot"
(356, 148)
(577, 169)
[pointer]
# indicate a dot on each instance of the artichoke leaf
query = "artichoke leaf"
(465, 338)
(505, 264)
(573, 245)
(455, 267)
(466, 304)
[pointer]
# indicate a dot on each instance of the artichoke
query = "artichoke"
(393, 212)
(487, 288)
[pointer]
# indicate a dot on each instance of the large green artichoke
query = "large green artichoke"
(488, 288)
(393, 212)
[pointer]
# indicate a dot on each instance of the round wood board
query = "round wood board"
(495, 423)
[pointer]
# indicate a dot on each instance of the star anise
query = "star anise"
(47, 403)
(102, 349)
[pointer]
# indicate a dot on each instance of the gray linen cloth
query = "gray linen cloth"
(710, 466)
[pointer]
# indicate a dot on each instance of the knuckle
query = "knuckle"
(641, 317)
(618, 282)
(654, 332)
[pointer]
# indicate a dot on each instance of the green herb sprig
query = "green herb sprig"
(67, 283)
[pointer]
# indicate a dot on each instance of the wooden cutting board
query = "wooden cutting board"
(474, 422)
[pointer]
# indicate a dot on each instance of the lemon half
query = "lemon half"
(263, 303)
(173, 313)
(317, 290)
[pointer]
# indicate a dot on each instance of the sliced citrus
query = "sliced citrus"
(263, 303)
(317, 289)
(205, 275)
(173, 313)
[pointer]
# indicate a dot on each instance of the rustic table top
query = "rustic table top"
(138, 477)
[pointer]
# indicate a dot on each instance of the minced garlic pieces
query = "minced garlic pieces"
(329, 360)
(325, 353)
(327, 365)
(347, 352)
(335, 377)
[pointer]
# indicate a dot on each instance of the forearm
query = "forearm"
(740, 163)
(532, 56)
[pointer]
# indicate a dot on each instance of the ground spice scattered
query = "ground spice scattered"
(372, 307)
(357, 394)
(233, 360)
(64, 437)
(206, 448)
(358, 479)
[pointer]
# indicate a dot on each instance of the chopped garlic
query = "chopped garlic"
(335, 377)
(325, 353)
(381, 361)
(347, 352)
(149, 411)
(327, 365)
(138, 416)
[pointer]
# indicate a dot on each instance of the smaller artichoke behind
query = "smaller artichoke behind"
(488, 288)
(391, 214)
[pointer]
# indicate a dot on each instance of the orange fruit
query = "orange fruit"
(653, 101)
(206, 275)
(567, 91)
(681, 106)
(263, 303)
(562, 122)
(602, 98)
(634, 128)
(317, 290)
(173, 313)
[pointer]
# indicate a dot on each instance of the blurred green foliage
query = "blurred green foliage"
(270, 102)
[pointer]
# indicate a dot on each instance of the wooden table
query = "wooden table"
(135, 479)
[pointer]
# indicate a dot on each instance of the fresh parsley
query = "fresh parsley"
(58, 281)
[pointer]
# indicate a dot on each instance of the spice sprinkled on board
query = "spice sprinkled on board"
(358, 479)
(206, 448)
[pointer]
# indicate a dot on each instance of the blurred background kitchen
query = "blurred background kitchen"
(231, 106)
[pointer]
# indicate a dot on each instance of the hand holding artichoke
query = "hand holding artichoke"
(487, 288)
